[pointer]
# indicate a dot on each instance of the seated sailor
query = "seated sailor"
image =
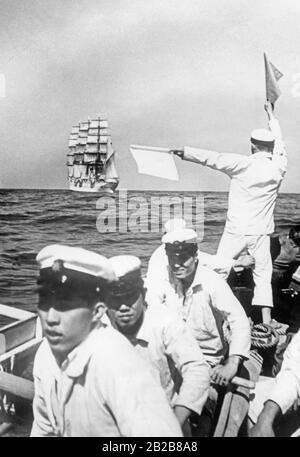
(160, 337)
(205, 302)
(88, 379)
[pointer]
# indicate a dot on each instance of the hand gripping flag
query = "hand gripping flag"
(154, 161)
(272, 76)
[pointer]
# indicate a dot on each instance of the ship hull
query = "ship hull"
(107, 187)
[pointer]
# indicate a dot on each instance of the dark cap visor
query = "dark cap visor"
(68, 282)
(266, 144)
(181, 249)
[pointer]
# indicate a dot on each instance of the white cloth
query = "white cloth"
(158, 264)
(255, 182)
(205, 306)
(102, 389)
(166, 342)
(259, 396)
(154, 161)
(287, 384)
(285, 388)
(259, 248)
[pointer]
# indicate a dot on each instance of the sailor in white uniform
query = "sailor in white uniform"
(206, 303)
(88, 379)
(160, 337)
(255, 181)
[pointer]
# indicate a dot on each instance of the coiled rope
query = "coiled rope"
(263, 336)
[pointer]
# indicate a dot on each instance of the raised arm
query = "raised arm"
(225, 162)
(279, 152)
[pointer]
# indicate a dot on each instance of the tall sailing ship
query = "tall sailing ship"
(91, 157)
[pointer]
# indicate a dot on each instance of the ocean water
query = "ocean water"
(32, 219)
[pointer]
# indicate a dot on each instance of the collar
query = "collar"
(144, 330)
(198, 278)
(262, 155)
(76, 361)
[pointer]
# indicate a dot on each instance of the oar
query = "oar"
(243, 382)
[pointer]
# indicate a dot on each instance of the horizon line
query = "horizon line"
(130, 190)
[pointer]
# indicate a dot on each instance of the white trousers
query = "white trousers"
(232, 244)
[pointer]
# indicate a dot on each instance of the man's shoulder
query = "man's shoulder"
(209, 280)
(112, 351)
(164, 325)
(160, 316)
(108, 341)
(159, 253)
(44, 359)
(205, 274)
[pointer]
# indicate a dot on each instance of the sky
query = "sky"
(166, 73)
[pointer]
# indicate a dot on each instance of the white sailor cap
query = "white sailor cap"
(72, 268)
(127, 269)
(184, 235)
(174, 224)
(180, 244)
(262, 137)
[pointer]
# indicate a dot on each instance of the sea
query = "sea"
(129, 222)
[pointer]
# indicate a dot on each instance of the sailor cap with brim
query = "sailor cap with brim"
(174, 224)
(127, 269)
(184, 235)
(262, 137)
(69, 267)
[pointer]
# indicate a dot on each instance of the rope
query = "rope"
(264, 336)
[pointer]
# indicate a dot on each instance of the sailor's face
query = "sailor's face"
(65, 322)
(182, 266)
(125, 311)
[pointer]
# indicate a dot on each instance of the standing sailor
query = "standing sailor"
(255, 182)
(88, 379)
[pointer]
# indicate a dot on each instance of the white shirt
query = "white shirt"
(205, 306)
(102, 389)
(287, 383)
(166, 342)
(255, 181)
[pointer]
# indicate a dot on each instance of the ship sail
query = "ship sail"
(70, 172)
(91, 157)
(111, 170)
(77, 172)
